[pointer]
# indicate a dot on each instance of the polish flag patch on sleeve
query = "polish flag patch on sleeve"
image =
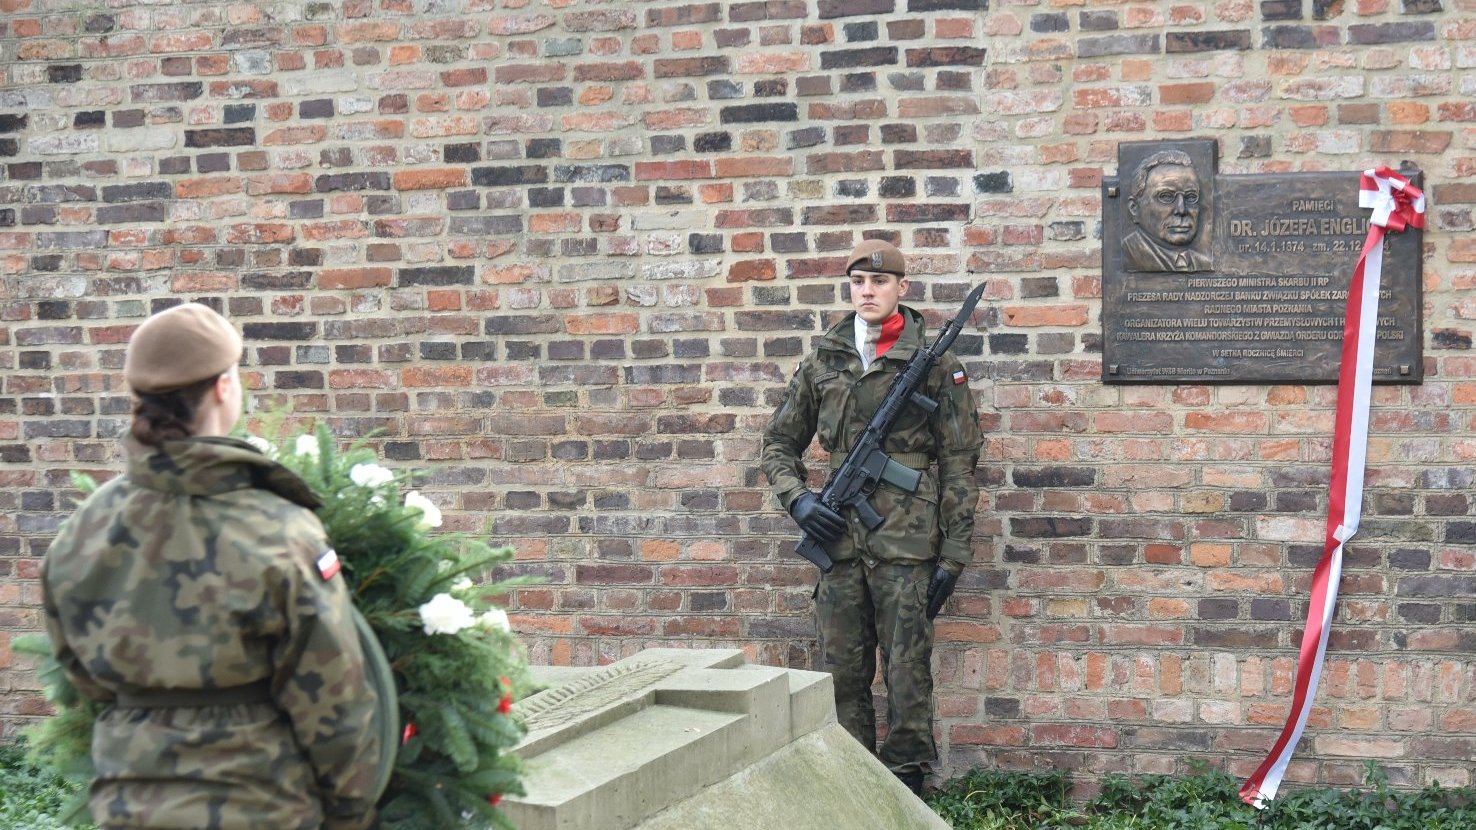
(328, 564)
(959, 377)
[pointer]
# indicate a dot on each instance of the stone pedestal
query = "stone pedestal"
(675, 739)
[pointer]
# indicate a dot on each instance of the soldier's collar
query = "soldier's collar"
(210, 466)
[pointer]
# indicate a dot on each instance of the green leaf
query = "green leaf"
(84, 482)
(417, 577)
(459, 744)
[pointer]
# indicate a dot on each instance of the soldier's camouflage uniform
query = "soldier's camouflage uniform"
(197, 570)
(876, 596)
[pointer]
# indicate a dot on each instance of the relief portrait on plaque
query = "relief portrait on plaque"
(1164, 203)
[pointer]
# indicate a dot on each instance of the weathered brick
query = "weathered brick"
(72, 240)
(436, 275)
(1054, 477)
(691, 169)
(932, 159)
(224, 137)
(486, 225)
(856, 58)
(690, 67)
(1397, 32)
(57, 428)
(137, 192)
(244, 88)
(1281, 9)
(696, 423)
(589, 173)
(524, 324)
(279, 331)
(135, 212)
(838, 215)
(1190, 93)
(759, 113)
(686, 15)
(848, 8)
(946, 56)
(1096, 47)
(916, 6)
(64, 73)
(505, 176)
(767, 10)
(160, 93)
(1410, 141)
(354, 278)
(600, 21)
(432, 179)
(1239, 39)
(924, 212)
(1074, 736)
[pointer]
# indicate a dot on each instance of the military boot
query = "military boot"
(912, 779)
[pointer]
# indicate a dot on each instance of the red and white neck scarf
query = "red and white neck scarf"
(873, 341)
(1396, 205)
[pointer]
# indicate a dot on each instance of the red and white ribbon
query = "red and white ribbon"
(1396, 205)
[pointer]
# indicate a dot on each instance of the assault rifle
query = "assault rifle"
(851, 485)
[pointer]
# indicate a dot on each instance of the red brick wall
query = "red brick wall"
(564, 254)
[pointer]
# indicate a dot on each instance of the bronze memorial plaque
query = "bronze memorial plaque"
(1242, 279)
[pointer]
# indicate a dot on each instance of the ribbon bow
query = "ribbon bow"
(1396, 203)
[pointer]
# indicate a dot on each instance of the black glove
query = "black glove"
(940, 589)
(815, 519)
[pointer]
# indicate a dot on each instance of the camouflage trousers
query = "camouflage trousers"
(859, 609)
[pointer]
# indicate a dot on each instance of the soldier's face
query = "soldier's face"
(875, 295)
(1168, 210)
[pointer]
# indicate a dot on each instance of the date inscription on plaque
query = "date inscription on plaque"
(1242, 278)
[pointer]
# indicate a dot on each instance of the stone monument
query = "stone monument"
(677, 739)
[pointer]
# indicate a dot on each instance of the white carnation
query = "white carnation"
(462, 585)
(307, 446)
(261, 444)
(494, 619)
(430, 515)
(446, 614)
(371, 475)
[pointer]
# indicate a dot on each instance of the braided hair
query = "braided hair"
(168, 416)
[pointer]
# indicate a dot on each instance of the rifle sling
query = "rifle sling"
(914, 460)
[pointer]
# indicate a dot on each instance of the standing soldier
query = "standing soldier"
(196, 595)
(887, 584)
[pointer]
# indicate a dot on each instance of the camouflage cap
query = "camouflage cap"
(877, 255)
(178, 347)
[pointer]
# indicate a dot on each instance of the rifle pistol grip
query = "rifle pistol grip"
(868, 514)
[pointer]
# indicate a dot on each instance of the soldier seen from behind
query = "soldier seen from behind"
(196, 595)
(888, 583)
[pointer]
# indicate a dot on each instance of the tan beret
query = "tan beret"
(178, 347)
(877, 255)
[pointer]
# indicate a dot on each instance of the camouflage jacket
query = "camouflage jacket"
(197, 570)
(831, 395)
